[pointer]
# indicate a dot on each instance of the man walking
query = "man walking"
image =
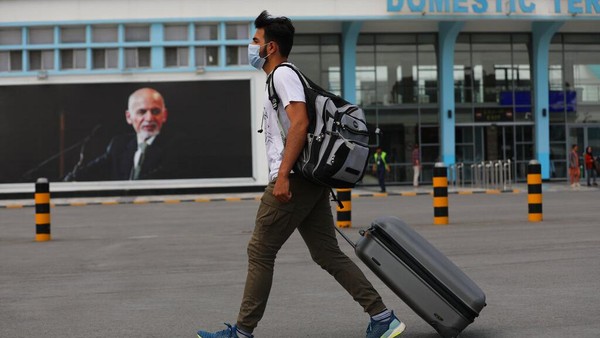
(291, 202)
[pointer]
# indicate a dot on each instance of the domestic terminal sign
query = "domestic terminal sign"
(495, 7)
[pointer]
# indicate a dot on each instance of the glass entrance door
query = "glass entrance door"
(478, 143)
(497, 143)
(506, 142)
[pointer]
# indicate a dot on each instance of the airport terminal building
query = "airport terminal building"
(467, 80)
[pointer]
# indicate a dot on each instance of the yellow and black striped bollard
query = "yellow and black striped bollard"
(344, 215)
(440, 194)
(42, 210)
(534, 190)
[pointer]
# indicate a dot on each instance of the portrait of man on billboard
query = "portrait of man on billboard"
(151, 152)
(127, 131)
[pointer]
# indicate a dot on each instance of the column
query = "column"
(542, 33)
(350, 32)
(448, 31)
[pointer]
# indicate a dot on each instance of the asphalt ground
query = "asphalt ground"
(169, 268)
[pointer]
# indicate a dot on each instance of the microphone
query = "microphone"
(79, 163)
(28, 174)
(85, 141)
(96, 128)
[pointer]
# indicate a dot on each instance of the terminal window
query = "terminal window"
(179, 56)
(72, 34)
(10, 36)
(176, 33)
(176, 56)
(237, 32)
(206, 32)
(137, 33)
(120, 46)
(103, 33)
(41, 35)
(11, 61)
(237, 55)
(207, 56)
(137, 57)
(73, 59)
(105, 58)
(41, 59)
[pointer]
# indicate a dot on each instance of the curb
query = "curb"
(168, 200)
(137, 201)
(454, 192)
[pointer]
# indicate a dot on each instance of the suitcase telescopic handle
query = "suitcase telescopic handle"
(347, 238)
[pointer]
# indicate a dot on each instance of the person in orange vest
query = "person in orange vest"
(574, 172)
(380, 167)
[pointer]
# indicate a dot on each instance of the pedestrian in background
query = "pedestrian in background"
(380, 167)
(574, 172)
(589, 166)
(416, 162)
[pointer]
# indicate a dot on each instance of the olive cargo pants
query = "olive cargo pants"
(309, 211)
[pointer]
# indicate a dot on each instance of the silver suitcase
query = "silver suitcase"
(426, 280)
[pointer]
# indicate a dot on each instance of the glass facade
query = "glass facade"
(492, 78)
(574, 81)
(318, 56)
(493, 97)
(397, 85)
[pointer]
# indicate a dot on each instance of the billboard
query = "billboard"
(90, 132)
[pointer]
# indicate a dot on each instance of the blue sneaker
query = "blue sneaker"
(229, 332)
(390, 328)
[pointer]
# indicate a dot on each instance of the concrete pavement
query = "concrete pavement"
(166, 269)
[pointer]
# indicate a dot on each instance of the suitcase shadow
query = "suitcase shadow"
(477, 333)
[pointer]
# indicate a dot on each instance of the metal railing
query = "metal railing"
(456, 174)
(491, 175)
(480, 175)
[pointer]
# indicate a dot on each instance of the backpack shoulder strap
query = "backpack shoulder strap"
(306, 82)
(273, 96)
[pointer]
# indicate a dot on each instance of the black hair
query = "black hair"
(277, 29)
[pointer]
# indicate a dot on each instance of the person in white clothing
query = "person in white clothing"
(416, 163)
(290, 202)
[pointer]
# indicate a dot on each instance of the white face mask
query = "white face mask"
(254, 56)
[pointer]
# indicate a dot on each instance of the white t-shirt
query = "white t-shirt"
(289, 89)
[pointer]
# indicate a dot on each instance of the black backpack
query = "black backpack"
(337, 147)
